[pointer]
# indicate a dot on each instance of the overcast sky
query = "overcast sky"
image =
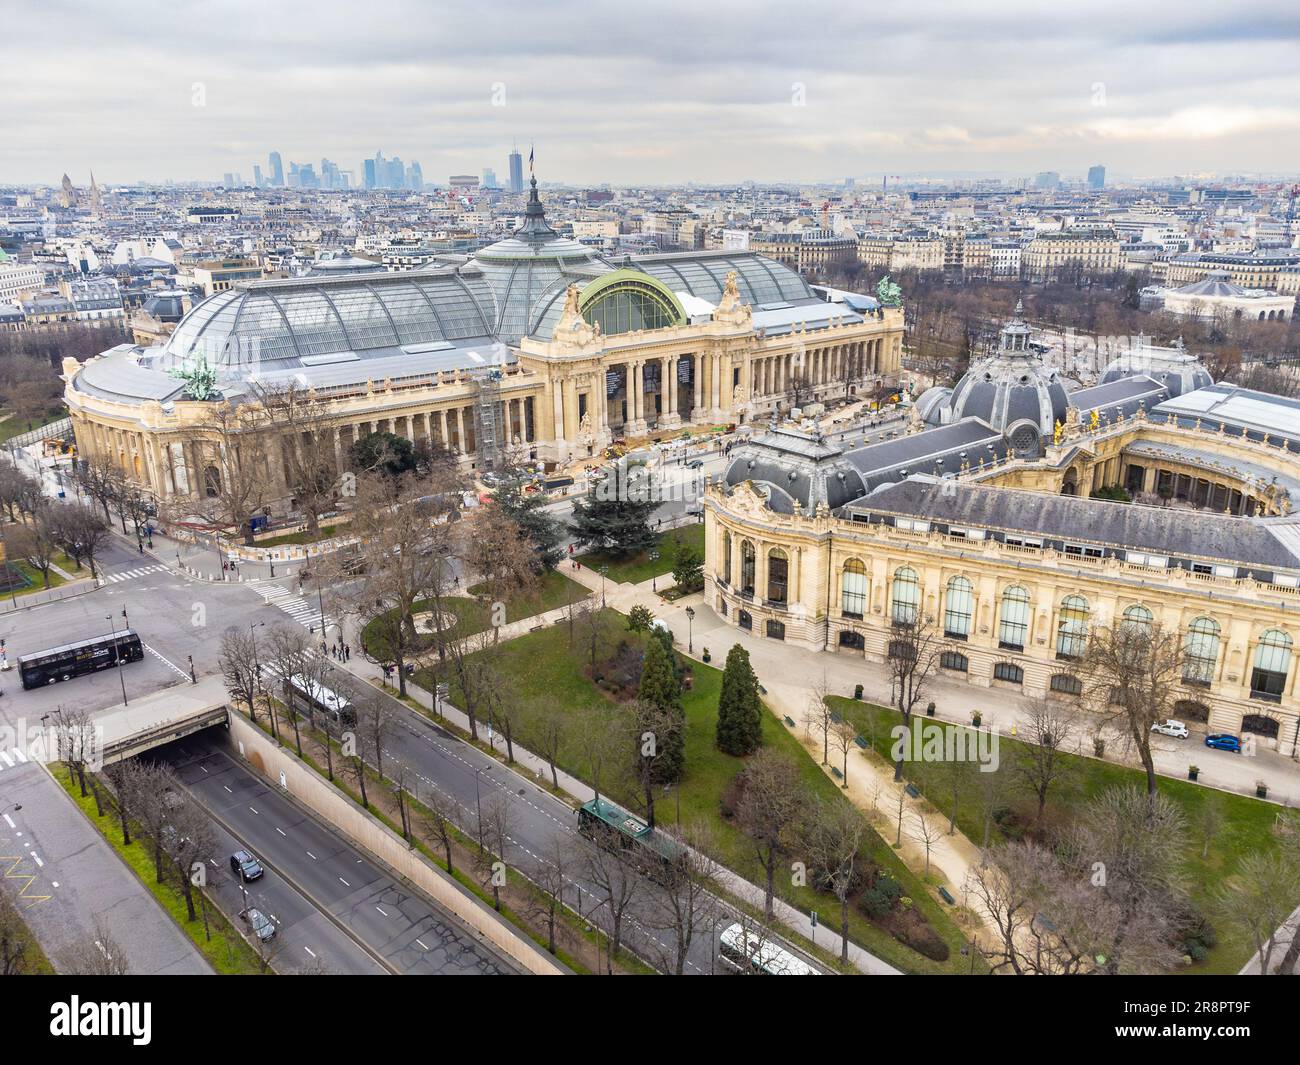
(664, 91)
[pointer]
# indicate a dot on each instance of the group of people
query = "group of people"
(342, 652)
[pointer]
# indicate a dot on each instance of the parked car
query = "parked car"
(697, 464)
(263, 927)
(245, 866)
(1171, 728)
(1222, 741)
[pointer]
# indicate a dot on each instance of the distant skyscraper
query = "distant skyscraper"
(489, 179)
(228, 179)
(516, 171)
(1047, 179)
(257, 176)
(277, 169)
(370, 174)
(1097, 177)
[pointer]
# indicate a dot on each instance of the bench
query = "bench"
(860, 741)
(836, 773)
(946, 896)
(836, 717)
(911, 790)
(789, 721)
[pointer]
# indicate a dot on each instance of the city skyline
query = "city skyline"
(1010, 91)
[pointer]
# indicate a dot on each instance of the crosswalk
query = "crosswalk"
(131, 574)
(11, 758)
(304, 613)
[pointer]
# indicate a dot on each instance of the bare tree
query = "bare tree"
(18, 947)
(912, 659)
(1040, 762)
(187, 840)
(819, 718)
(684, 903)
(98, 954)
(80, 533)
(442, 814)
(617, 883)
(928, 833)
(290, 653)
(551, 876)
(240, 668)
(498, 823)
(844, 735)
(304, 442)
(235, 477)
(1132, 676)
(1256, 902)
(771, 806)
(375, 723)
(834, 836)
(548, 733)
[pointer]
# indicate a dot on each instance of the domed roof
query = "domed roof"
(1175, 368)
(1012, 390)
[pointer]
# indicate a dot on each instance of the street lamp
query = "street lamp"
(15, 806)
(117, 653)
(603, 571)
(690, 630)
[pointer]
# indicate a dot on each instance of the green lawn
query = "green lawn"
(475, 615)
(541, 667)
(226, 950)
(304, 537)
(16, 424)
(38, 580)
(633, 569)
(1247, 822)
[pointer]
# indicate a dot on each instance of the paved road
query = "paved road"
(64, 878)
(441, 761)
(314, 871)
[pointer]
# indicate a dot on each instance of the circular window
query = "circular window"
(1024, 438)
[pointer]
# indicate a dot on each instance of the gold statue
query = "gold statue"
(1058, 433)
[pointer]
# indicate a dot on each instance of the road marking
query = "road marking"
(344, 882)
(253, 809)
(37, 859)
(281, 831)
(382, 910)
(312, 856)
(9, 821)
(168, 663)
(227, 787)
(310, 951)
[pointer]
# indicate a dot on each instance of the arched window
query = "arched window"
(726, 557)
(1201, 651)
(1190, 710)
(855, 640)
(628, 306)
(1272, 664)
(775, 629)
(744, 619)
(1014, 624)
(778, 574)
(1010, 672)
(853, 589)
(746, 567)
(958, 605)
(1066, 684)
(905, 603)
(1261, 725)
(1072, 628)
(954, 660)
(1139, 618)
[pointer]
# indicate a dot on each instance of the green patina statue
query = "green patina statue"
(200, 382)
(888, 293)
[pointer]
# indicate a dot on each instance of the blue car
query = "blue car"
(1223, 742)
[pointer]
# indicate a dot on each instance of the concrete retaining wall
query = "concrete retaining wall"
(281, 766)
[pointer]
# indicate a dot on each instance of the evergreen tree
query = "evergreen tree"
(619, 523)
(740, 716)
(534, 524)
(688, 570)
(660, 690)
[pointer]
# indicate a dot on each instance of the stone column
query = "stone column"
(697, 367)
(557, 406)
(461, 447)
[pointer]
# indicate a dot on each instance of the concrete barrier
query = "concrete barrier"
(282, 768)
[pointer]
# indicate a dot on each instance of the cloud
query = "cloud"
(672, 91)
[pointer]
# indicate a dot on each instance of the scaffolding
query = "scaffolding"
(487, 418)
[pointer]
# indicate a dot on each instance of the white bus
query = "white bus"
(745, 951)
(324, 700)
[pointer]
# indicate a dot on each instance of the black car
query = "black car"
(245, 866)
(696, 464)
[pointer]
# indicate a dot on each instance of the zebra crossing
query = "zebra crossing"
(12, 758)
(304, 613)
(131, 574)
